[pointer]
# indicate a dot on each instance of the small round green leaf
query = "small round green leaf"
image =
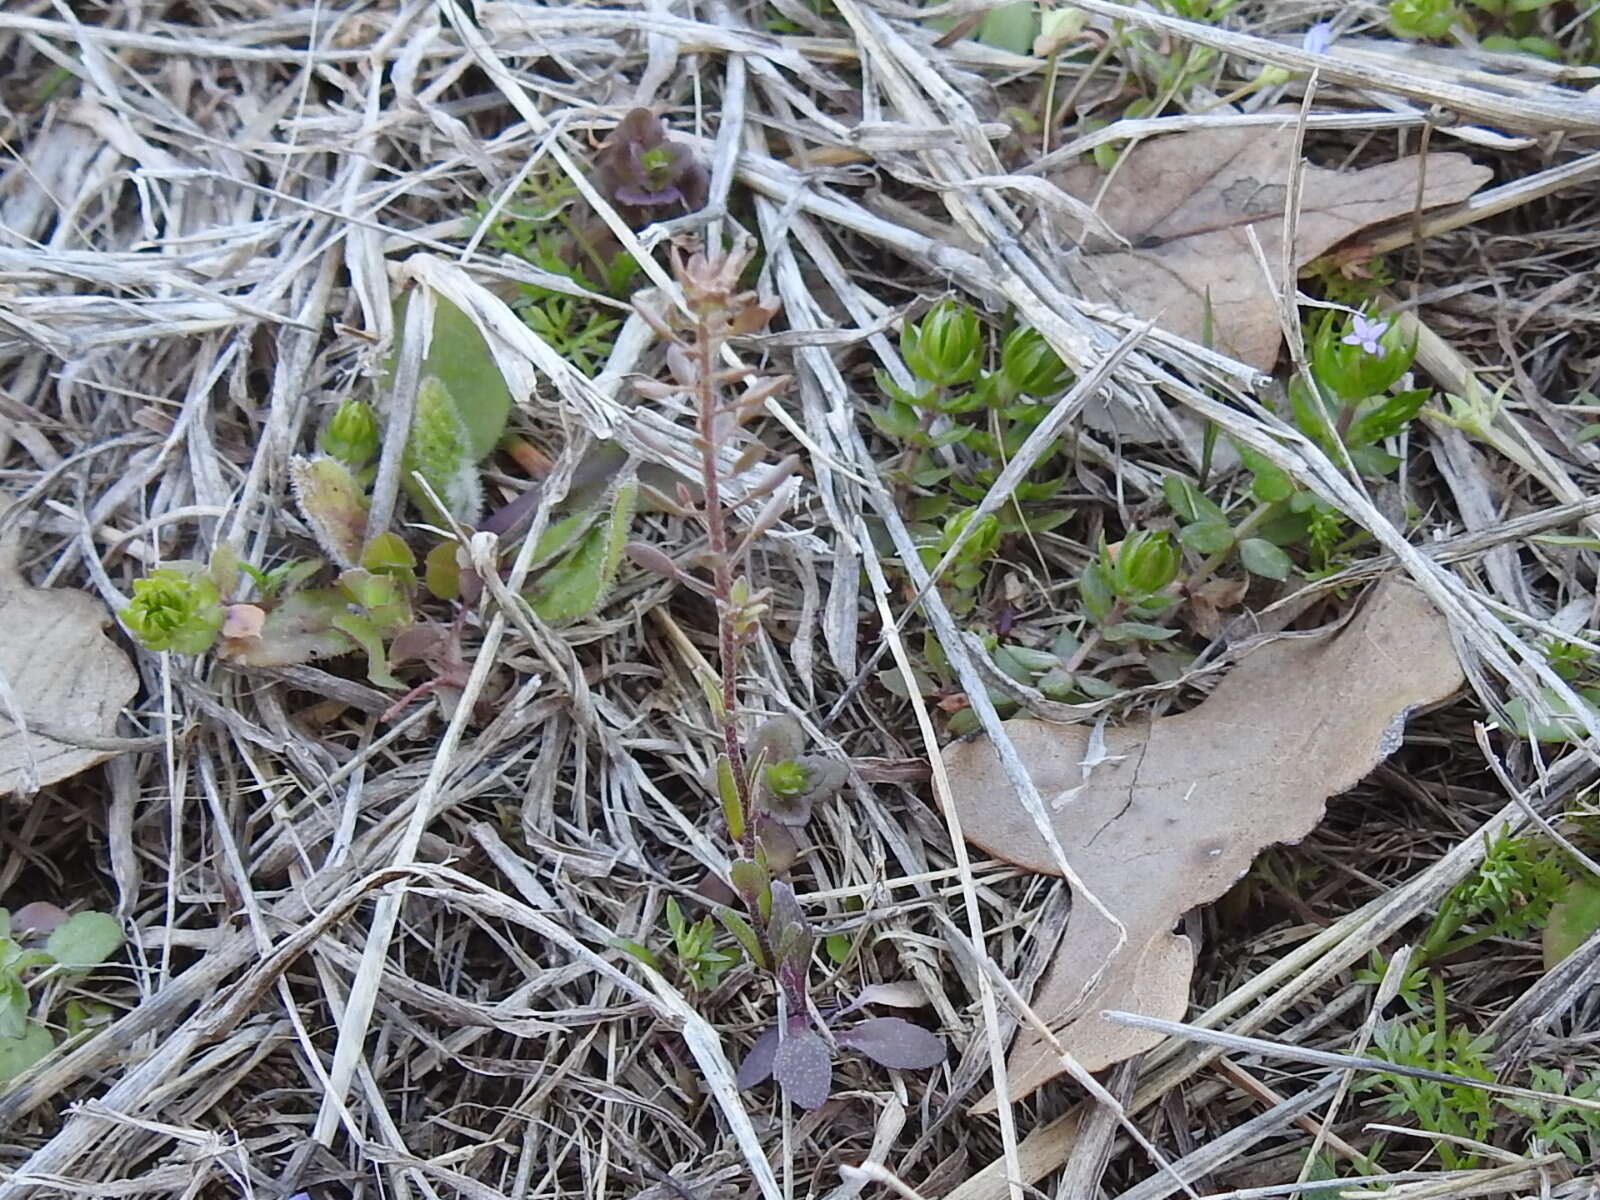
(19, 1053)
(85, 940)
(1261, 557)
(1573, 920)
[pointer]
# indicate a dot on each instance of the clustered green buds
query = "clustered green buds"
(1029, 366)
(175, 610)
(351, 434)
(1129, 582)
(946, 347)
(1143, 565)
(786, 780)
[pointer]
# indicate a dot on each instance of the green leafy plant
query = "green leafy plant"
(959, 424)
(645, 176)
(1507, 26)
(1351, 405)
(694, 949)
(1510, 896)
(1572, 1130)
(1550, 717)
(1452, 1109)
(1516, 891)
(70, 944)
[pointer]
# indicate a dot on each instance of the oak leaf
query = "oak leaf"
(1184, 201)
(1174, 810)
(66, 679)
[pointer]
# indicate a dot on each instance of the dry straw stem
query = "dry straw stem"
(402, 933)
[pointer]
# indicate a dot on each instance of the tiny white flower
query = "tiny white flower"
(1365, 333)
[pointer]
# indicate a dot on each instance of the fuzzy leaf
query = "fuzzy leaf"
(776, 739)
(576, 585)
(441, 572)
(85, 940)
(439, 449)
(893, 1042)
(757, 1065)
(18, 1054)
(791, 935)
(460, 357)
(728, 796)
(749, 878)
(333, 504)
(740, 929)
(38, 917)
(803, 1067)
(365, 634)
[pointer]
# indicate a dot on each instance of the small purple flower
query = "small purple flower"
(1318, 38)
(1365, 333)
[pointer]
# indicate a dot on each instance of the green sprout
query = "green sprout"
(174, 610)
(1126, 586)
(74, 944)
(351, 434)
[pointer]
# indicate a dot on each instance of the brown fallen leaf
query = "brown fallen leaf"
(1178, 807)
(1184, 201)
(65, 676)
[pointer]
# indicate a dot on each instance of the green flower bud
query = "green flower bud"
(1030, 366)
(947, 347)
(787, 779)
(351, 434)
(174, 610)
(1146, 562)
(980, 546)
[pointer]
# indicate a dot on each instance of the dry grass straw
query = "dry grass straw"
(375, 960)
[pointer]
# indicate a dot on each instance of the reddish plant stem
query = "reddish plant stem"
(721, 571)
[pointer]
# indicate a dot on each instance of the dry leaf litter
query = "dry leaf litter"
(376, 957)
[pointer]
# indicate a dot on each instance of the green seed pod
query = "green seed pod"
(1030, 366)
(351, 434)
(947, 347)
(1146, 563)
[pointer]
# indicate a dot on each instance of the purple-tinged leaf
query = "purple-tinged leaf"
(803, 1067)
(788, 929)
(895, 1043)
(757, 1065)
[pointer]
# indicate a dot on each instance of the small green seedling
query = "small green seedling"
(693, 949)
(1126, 586)
(72, 944)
